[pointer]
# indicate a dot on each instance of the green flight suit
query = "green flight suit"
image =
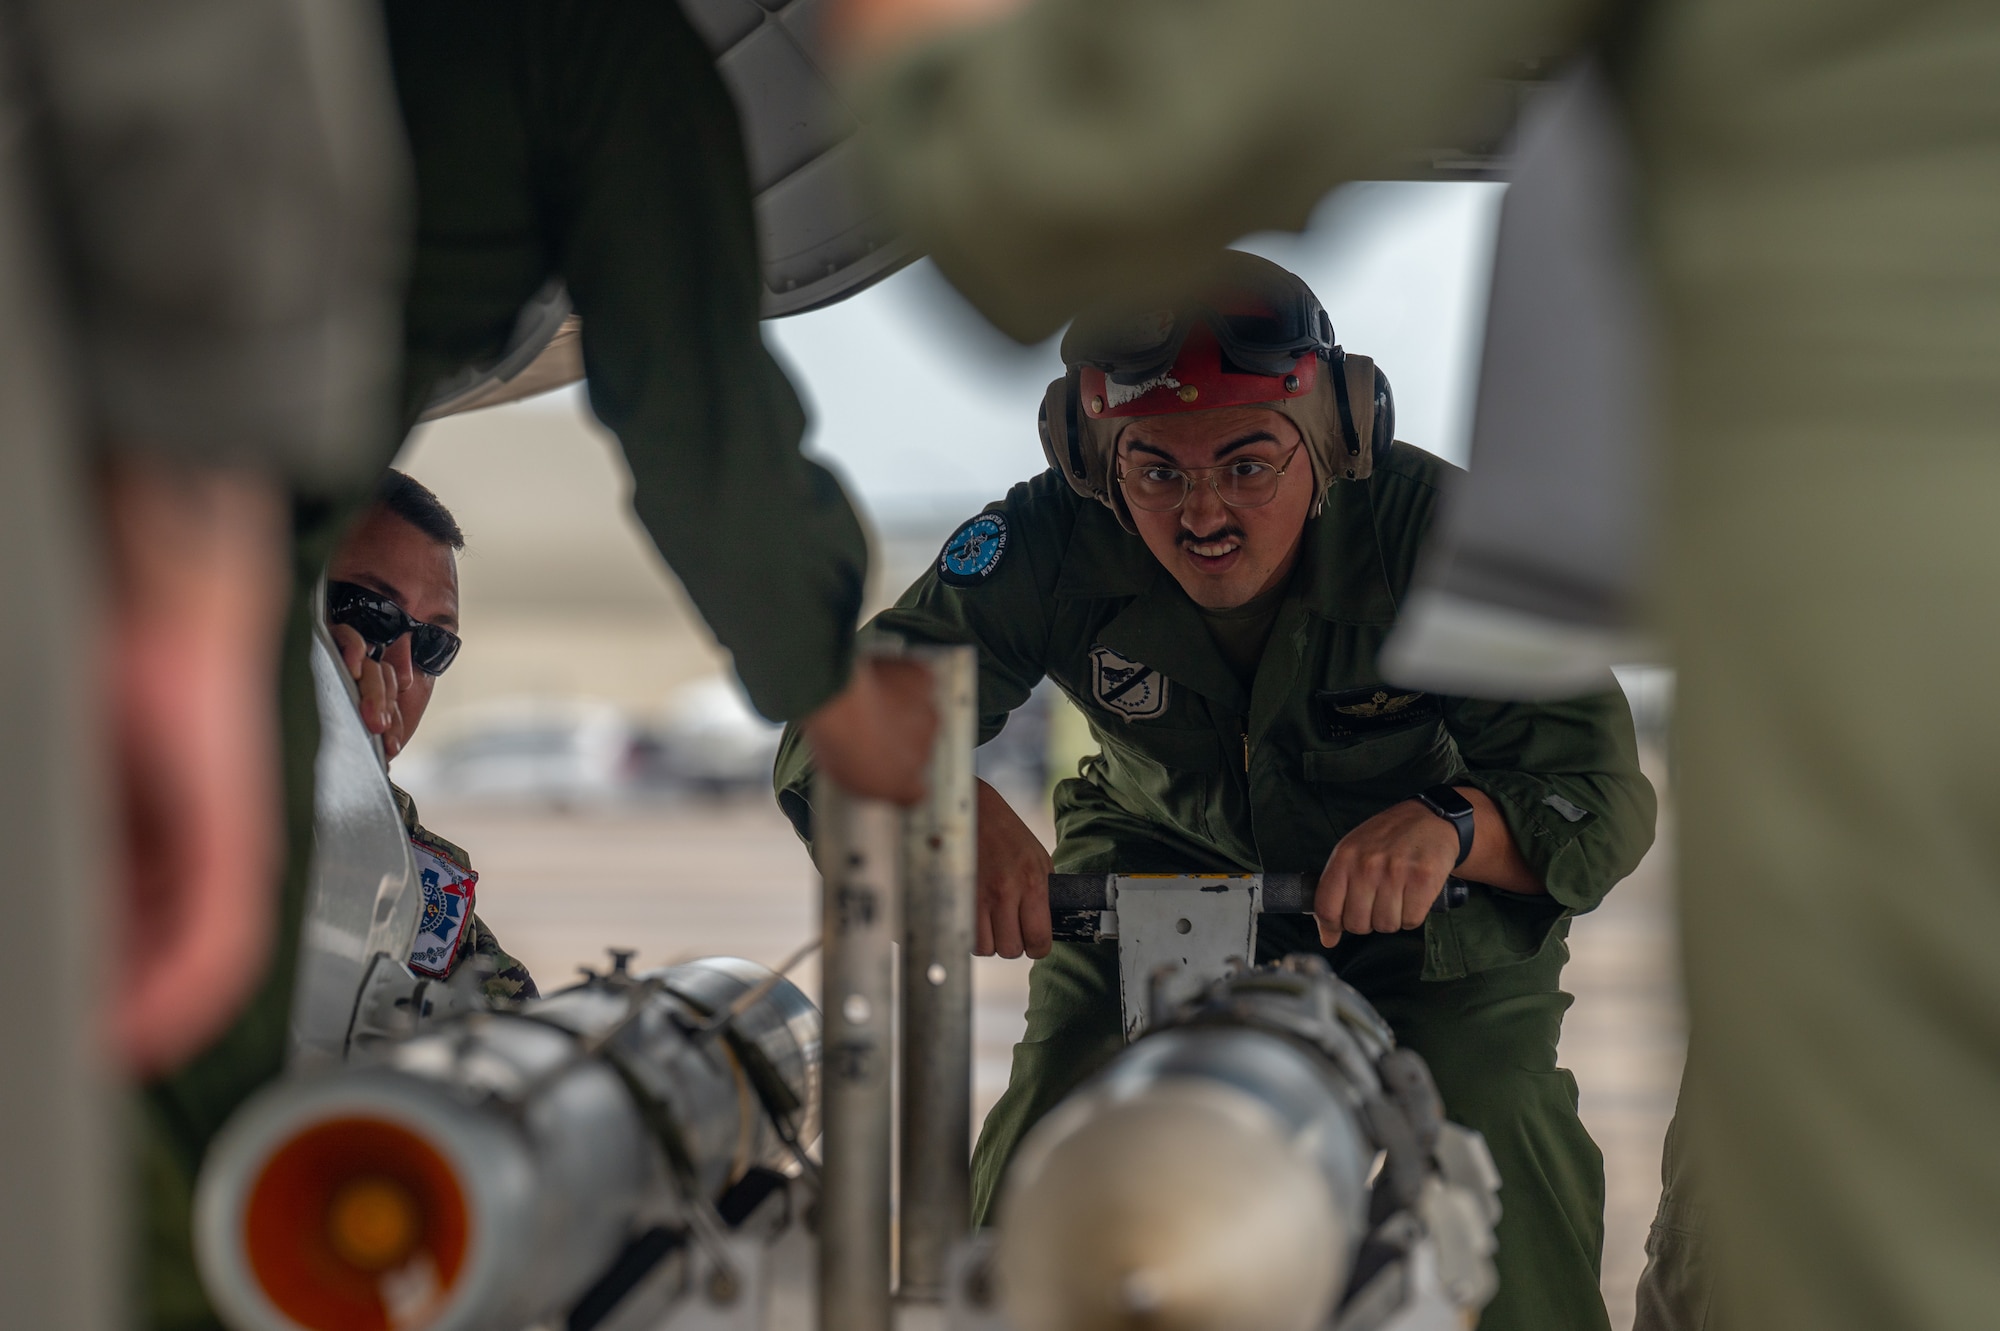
(1196, 773)
(592, 140)
(1819, 196)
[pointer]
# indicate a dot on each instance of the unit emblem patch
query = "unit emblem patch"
(972, 552)
(447, 909)
(1136, 692)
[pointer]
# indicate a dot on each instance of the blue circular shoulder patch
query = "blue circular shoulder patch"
(972, 552)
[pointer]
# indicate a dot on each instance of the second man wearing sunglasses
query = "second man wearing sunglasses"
(392, 599)
(1208, 572)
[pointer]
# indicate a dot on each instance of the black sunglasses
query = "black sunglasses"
(380, 621)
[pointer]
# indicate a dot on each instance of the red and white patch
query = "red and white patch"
(447, 910)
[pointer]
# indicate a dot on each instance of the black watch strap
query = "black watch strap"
(1455, 809)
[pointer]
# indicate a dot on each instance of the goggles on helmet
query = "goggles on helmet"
(1262, 323)
(1252, 334)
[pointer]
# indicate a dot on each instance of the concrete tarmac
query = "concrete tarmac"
(692, 879)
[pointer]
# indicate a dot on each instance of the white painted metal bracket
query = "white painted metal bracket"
(1177, 933)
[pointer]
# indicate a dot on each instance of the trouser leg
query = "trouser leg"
(60, 1258)
(1490, 1040)
(1073, 1030)
(1676, 1287)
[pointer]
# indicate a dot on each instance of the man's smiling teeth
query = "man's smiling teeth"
(1214, 549)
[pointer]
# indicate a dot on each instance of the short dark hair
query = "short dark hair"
(409, 499)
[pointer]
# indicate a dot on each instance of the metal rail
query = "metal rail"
(858, 845)
(940, 862)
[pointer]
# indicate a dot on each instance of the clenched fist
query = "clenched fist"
(1384, 875)
(1013, 883)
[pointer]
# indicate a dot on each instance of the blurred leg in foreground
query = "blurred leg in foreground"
(1677, 1289)
(58, 1158)
(198, 263)
(1819, 189)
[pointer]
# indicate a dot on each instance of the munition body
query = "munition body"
(1220, 1175)
(491, 1173)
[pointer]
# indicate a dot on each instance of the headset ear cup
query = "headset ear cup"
(1056, 423)
(1050, 449)
(1355, 379)
(1385, 418)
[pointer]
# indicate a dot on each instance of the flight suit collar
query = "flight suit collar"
(1104, 560)
(1341, 578)
(1159, 625)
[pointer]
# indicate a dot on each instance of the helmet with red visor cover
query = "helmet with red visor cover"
(1251, 334)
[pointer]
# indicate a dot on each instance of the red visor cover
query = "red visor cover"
(1197, 382)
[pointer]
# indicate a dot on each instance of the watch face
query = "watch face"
(1455, 809)
(1447, 802)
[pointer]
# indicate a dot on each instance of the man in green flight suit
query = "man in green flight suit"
(1208, 571)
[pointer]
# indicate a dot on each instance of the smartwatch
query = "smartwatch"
(1455, 809)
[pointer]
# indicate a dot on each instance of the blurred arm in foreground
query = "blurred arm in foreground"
(1074, 151)
(197, 264)
(195, 581)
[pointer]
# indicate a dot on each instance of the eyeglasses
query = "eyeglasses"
(1243, 483)
(380, 621)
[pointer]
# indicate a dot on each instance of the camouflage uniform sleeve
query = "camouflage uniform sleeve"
(1004, 612)
(502, 979)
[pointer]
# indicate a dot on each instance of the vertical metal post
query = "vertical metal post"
(858, 845)
(940, 874)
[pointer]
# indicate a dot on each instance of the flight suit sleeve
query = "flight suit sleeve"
(1566, 777)
(1082, 145)
(1006, 613)
(228, 199)
(660, 254)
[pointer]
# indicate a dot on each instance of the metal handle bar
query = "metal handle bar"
(1075, 898)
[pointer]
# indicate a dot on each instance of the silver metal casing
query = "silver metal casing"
(557, 1134)
(362, 899)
